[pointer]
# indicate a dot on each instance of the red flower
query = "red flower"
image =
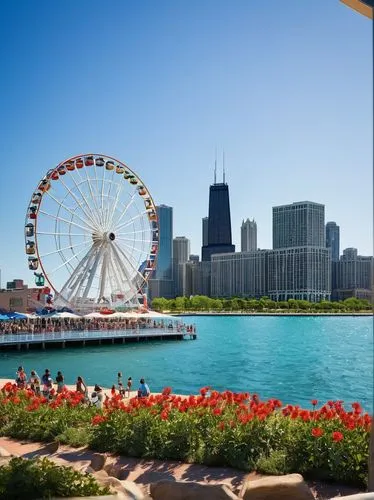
(314, 402)
(221, 426)
(217, 411)
(164, 415)
(166, 391)
(337, 436)
(98, 419)
(317, 432)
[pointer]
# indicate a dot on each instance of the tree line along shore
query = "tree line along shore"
(202, 303)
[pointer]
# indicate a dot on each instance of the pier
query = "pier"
(26, 341)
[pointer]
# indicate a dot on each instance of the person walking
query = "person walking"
(143, 390)
(60, 381)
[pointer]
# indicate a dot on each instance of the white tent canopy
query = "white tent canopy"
(132, 315)
(65, 315)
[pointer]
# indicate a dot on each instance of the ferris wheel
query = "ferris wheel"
(91, 234)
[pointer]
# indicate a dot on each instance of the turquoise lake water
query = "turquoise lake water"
(295, 359)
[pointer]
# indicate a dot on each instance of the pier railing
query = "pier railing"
(87, 335)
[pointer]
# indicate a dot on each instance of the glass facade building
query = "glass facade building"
(219, 222)
(333, 240)
(164, 266)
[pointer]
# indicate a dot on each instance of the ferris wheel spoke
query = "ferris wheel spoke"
(129, 254)
(84, 274)
(103, 274)
(114, 208)
(67, 262)
(83, 180)
(43, 233)
(146, 230)
(89, 215)
(93, 198)
(62, 249)
(135, 240)
(106, 215)
(62, 219)
(126, 208)
(130, 221)
(64, 207)
(132, 249)
(75, 275)
(123, 267)
(120, 250)
(92, 272)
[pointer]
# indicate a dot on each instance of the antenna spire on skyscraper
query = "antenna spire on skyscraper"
(223, 162)
(215, 167)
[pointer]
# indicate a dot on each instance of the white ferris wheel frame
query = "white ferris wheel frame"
(98, 226)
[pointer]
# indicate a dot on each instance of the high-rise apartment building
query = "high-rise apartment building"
(301, 273)
(299, 266)
(333, 240)
(299, 224)
(219, 222)
(355, 275)
(241, 274)
(181, 253)
(248, 235)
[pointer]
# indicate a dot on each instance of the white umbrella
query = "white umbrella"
(94, 315)
(63, 315)
(155, 315)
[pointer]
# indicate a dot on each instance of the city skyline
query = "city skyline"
(269, 84)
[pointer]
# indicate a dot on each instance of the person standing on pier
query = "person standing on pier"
(129, 384)
(120, 384)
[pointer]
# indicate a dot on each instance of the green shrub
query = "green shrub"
(40, 478)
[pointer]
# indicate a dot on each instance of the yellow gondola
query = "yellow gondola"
(109, 165)
(119, 169)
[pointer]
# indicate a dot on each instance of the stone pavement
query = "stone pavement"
(143, 471)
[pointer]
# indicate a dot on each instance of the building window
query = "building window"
(15, 302)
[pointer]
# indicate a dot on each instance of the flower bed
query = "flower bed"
(213, 428)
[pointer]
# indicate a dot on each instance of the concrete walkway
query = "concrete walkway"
(144, 472)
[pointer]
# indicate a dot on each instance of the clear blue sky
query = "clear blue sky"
(285, 87)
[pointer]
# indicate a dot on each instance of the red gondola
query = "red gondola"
(79, 163)
(89, 161)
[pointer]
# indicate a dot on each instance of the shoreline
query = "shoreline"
(194, 313)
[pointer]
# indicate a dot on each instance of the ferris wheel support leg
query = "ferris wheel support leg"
(92, 271)
(124, 270)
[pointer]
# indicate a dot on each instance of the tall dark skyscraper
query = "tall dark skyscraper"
(219, 222)
(333, 240)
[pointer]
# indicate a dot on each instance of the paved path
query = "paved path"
(144, 472)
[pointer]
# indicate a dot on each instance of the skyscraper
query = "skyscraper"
(205, 231)
(165, 249)
(299, 266)
(248, 235)
(299, 224)
(181, 253)
(333, 240)
(219, 222)
(161, 284)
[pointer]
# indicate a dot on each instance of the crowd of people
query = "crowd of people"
(44, 386)
(51, 325)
